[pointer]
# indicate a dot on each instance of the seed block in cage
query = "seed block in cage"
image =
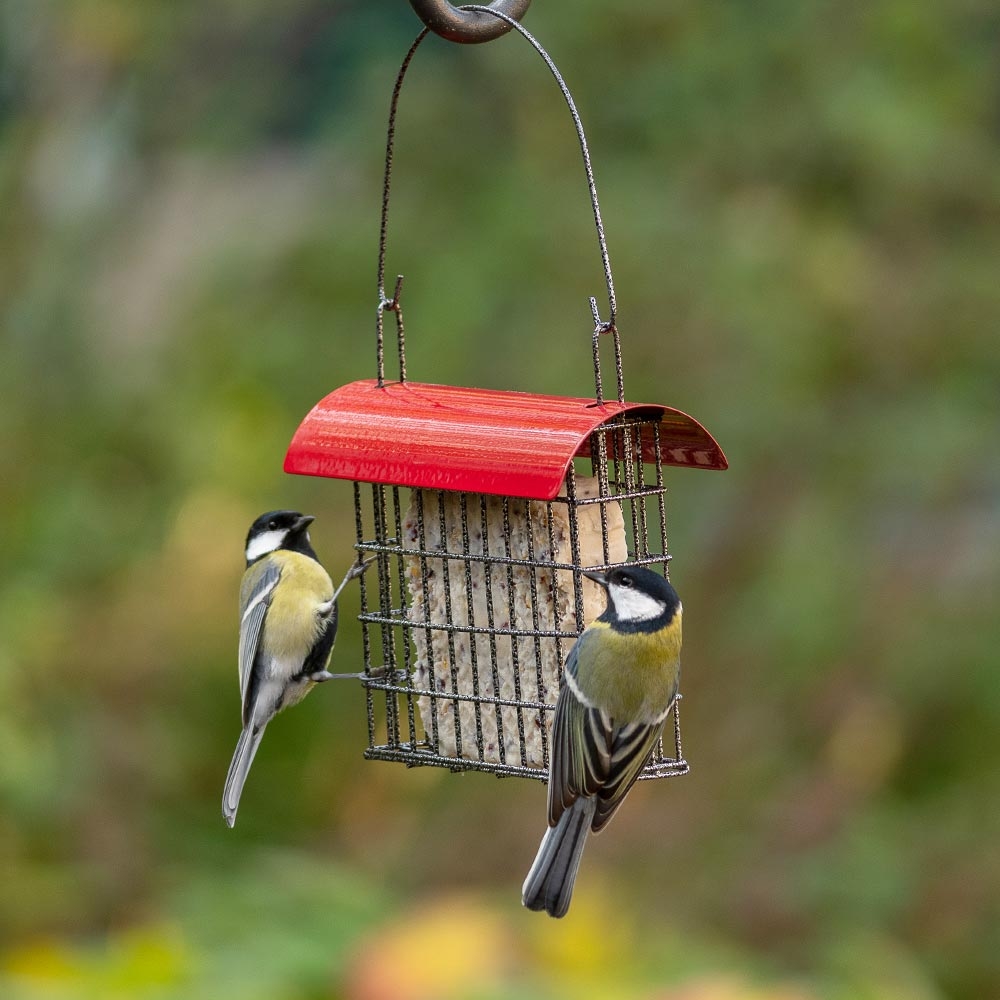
(494, 589)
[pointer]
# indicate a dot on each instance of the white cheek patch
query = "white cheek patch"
(633, 605)
(260, 545)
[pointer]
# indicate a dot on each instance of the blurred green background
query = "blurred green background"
(802, 201)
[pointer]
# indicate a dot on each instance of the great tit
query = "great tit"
(288, 623)
(620, 684)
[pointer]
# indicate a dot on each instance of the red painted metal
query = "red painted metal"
(475, 440)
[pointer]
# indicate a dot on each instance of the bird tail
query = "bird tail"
(239, 769)
(549, 885)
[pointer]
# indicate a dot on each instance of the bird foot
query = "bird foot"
(359, 568)
(324, 675)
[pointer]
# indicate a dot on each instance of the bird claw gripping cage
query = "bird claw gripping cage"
(483, 509)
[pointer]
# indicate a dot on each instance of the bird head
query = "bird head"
(637, 597)
(278, 529)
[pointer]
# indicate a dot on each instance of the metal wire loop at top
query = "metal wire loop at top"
(459, 25)
(385, 303)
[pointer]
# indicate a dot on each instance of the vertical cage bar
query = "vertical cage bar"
(603, 488)
(556, 624)
(574, 545)
(661, 498)
(428, 632)
(366, 644)
(385, 608)
(628, 466)
(411, 721)
(490, 624)
(533, 590)
(449, 615)
(512, 620)
(642, 530)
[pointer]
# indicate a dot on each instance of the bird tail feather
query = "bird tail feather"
(549, 885)
(243, 756)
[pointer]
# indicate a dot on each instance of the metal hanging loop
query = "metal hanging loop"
(458, 24)
(387, 304)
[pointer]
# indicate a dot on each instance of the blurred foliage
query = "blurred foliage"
(802, 201)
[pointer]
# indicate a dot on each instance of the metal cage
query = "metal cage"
(482, 509)
(470, 679)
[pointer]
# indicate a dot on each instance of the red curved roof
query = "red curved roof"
(476, 440)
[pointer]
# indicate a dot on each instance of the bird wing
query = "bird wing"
(255, 598)
(590, 755)
(580, 749)
(631, 746)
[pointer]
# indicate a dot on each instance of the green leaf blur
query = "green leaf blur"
(802, 203)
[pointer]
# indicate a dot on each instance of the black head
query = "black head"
(637, 598)
(279, 529)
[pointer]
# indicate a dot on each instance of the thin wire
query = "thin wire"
(584, 149)
(384, 302)
(600, 326)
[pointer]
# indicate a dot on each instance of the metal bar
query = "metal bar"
(385, 603)
(554, 588)
(449, 617)
(428, 633)
(419, 758)
(366, 645)
(471, 612)
(533, 590)
(628, 465)
(661, 497)
(491, 626)
(404, 603)
(574, 547)
(639, 504)
(512, 617)
(385, 685)
(519, 633)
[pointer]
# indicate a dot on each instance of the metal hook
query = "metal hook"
(460, 25)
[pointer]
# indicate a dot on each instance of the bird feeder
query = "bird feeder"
(483, 508)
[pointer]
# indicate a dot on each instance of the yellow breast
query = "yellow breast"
(632, 675)
(293, 621)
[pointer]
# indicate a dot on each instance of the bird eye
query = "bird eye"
(271, 525)
(626, 581)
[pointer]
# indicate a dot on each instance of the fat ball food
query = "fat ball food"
(490, 665)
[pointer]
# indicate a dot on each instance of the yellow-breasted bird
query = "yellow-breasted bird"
(288, 624)
(620, 684)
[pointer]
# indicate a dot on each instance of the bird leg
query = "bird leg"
(324, 609)
(355, 571)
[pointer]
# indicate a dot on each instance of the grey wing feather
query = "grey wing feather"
(581, 753)
(591, 757)
(253, 610)
(630, 749)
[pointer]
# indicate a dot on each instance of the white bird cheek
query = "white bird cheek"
(633, 605)
(262, 544)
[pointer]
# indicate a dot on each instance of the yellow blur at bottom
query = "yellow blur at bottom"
(134, 963)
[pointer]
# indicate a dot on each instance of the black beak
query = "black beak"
(303, 522)
(597, 578)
